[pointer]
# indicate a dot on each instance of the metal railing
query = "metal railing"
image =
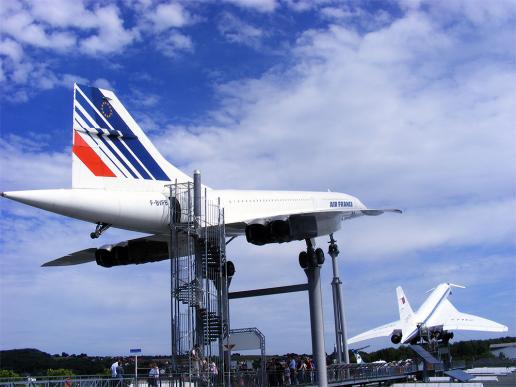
(348, 374)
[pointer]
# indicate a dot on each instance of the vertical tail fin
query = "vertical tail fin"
(110, 150)
(406, 311)
(357, 356)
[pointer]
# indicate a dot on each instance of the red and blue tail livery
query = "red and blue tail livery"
(109, 144)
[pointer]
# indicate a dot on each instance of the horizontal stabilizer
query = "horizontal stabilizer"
(77, 258)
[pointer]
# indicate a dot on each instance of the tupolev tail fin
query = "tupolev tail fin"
(405, 310)
(110, 150)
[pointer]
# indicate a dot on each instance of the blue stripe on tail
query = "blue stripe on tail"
(114, 119)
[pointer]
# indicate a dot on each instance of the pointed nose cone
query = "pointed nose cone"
(44, 199)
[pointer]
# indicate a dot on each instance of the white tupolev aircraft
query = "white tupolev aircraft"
(120, 179)
(433, 320)
(356, 352)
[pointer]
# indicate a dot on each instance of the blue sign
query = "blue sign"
(135, 350)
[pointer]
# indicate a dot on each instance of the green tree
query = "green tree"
(59, 372)
(8, 374)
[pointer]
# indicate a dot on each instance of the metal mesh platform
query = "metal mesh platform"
(425, 355)
(459, 375)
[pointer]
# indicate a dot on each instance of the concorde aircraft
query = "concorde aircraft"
(433, 320)
(120, 179)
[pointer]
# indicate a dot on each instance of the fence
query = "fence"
(350, 374)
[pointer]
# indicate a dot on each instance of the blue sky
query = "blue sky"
(407, 104)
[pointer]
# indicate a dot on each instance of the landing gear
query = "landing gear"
(101, 227)
(333, 249)
(311, 257)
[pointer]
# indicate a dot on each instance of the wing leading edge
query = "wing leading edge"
(381, 331)
(451, 319)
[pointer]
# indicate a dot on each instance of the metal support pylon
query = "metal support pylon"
(311, 261)
(338, 309)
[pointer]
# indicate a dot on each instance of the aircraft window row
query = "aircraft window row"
(266, 200)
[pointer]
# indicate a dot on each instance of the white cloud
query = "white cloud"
(408, 114)
(35, 166)
(336, 13)
(11, 50)
(103, 84)
(174, 43)
(21, 27)
(167, 16)
(112, 36)
(237, 31)
(63, 13)
(257, 5)
(30, 29)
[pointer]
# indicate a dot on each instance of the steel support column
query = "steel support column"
(338, 308)
(313, 273)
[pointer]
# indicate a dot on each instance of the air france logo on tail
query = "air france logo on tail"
(108, 141)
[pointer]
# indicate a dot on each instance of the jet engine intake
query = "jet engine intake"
(396, 336)
(131, 252)
(437, 333)
(296, 227)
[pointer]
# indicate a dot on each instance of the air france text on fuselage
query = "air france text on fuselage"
(341, 203)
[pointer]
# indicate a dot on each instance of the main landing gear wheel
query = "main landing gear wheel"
(303, 259)
(319, 254)
(311, 257)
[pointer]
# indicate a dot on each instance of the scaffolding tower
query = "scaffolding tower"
(199, 282)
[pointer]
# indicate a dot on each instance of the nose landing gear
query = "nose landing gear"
(101, 227)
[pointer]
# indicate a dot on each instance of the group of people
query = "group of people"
(296, 370)
(201, 366)
(117, 370)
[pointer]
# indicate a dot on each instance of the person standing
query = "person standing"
(301, 371)
(196, 360)
(293, 371)
(113, 369)
(153, 375)
(120, 372)
(214, 372)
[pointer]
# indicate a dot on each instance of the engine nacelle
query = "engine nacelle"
(446, 336)
(296, 227)
(437, 333)
(132, 252)
(396, 336)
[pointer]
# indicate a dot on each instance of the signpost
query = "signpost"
(136, 351)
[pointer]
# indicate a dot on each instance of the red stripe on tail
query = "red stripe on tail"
(88, 156)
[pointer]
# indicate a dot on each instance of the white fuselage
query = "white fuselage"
(425, 311)
(148, 211)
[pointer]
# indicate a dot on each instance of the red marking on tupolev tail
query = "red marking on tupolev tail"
(88, 156)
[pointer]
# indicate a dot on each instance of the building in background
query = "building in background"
(506, 350)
